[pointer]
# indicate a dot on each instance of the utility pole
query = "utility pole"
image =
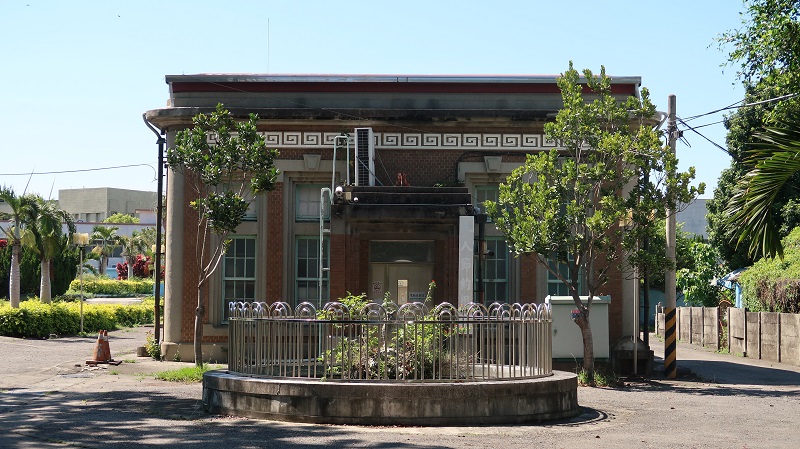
(670, 365)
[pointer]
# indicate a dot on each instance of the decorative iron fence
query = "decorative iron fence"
(391, 342)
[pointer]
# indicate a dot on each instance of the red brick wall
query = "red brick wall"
(273, 271)
(527, 275)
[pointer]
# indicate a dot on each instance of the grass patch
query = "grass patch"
(190, 374)
(602, 378)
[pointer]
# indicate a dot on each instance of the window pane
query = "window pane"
(239, 271)
(495, 267)
(401, 251)
(307, 201)
(554, 285)
(307, 270)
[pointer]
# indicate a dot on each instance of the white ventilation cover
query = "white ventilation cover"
(365, 157)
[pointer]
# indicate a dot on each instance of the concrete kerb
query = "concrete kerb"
(392, 403)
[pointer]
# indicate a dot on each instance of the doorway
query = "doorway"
(400, 270)
(399, 282)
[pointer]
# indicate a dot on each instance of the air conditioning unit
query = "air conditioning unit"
(365, 157)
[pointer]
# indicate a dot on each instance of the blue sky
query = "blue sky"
(77, 76)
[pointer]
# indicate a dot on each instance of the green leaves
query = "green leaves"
(774, 161)
(227, 164)
(610, 166)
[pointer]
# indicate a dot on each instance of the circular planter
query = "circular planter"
(392, 403)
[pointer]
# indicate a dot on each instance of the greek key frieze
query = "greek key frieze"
(414, 140)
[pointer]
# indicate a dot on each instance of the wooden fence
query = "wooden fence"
(761, 335)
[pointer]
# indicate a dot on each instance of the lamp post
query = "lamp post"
(81, 240)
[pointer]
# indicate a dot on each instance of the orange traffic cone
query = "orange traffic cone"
(106, 347)
(100, 354)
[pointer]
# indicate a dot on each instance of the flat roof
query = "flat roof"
(342, 78)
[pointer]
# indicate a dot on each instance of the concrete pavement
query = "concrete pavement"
(52, 401)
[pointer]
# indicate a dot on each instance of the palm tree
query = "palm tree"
(131, 247)
(107, 236)
(775, 159)
(18, 205)
(44, 236)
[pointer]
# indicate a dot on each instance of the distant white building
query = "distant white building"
(694, 218)
(94, 205)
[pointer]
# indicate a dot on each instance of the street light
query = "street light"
(81, 240)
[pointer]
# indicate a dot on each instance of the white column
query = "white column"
(173, 277)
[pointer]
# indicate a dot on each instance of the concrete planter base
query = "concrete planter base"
(392, 403)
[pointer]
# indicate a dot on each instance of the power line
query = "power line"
(75, 171)
(704, 137)
(734, 105)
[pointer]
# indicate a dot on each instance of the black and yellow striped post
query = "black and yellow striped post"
(670, 342)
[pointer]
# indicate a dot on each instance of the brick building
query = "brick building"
(415, 157)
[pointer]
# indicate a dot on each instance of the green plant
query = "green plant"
(602, 378)
(101, 285)
(189, 374)
(151, 346)
(33, 319)
(723, 338)
(772, 284)
(411, 350)
(696, 283)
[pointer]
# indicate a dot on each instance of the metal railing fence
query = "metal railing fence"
(391, 342)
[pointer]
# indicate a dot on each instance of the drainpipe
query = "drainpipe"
(322, 232)
(159, 192)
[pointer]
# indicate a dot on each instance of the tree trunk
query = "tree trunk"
(199, 312)
(131, 261)
(582, 321)
(44, 285)
(13, 282)
(103, 263)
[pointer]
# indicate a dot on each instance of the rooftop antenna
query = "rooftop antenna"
(267, 44)
(50, 197)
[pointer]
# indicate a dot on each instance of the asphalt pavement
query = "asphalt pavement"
(50, 399)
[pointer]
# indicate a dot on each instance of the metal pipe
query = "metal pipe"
(159, 192)
(322, 231)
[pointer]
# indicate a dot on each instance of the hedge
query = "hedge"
(104, 286)
(773, 284)
(34, 319)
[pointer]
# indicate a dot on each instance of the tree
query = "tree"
(697, 283)
(566, 205)
(108, 241)
(227, 164)
(767, 50)
(774, 163)
(19, 206)
(132, 246)
(121, 218)
(44, 235)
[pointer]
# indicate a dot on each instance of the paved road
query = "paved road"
(46, 401)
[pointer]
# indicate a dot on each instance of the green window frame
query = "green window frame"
(307, 271)
(306, 203)
(485, 193)
(554, 285)
(239, 271)
(495, 271)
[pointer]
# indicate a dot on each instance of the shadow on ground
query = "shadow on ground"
(122, 419)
